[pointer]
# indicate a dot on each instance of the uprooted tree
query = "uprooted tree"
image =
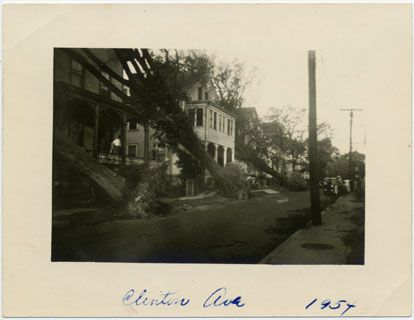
(156, 91)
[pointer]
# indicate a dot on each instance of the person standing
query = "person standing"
(116, 146)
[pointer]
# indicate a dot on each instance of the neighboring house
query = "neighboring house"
(214, 125)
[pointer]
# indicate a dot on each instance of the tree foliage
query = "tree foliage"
(190, 167)
(230, 80)
(340, 165)
(289, 128)
(327, 153)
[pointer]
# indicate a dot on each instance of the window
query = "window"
(103, 89)
(211, 118)
(206, 95)
(200, 112)
(224, 124)
(132, 125)
(191, 114)
(220, 118)
(125, 88)
(132, 150)
(200, 93)
(215, 121)
(228, 127)
(76, 74)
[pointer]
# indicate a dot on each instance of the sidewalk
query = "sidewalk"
(326, 244)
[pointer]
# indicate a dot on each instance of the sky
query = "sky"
(339, 85)
(357, 48)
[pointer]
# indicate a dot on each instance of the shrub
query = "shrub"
(295, 182)
(234, 172)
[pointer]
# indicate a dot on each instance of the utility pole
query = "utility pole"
(351, 116)
(313, 144)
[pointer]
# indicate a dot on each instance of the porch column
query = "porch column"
(146, 141)
(123, 137)
(216, 152)
(95, 132)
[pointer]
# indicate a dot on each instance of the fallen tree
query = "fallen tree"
(159, 86)
(136, 202)
(75, 157)
(249, 155)
(157, 102)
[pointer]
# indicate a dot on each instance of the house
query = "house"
(213, 124)
(90, 114)
(93, 116)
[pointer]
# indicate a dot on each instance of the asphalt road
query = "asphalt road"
(227, 232)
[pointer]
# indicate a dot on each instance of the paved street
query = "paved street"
(214, 231)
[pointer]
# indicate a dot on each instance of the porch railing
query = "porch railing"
(112, 158)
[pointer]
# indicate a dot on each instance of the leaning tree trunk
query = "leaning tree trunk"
(137, 202)
(248, 154)
(142, 199)
(76, 157)
(193, 146)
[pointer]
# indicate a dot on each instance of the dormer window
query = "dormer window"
(206, 95)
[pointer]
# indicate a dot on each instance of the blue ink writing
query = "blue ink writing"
(333, 305)
(218, 298)
(164, 299)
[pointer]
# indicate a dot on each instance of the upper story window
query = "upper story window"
(211, 118)
(206, 95)
(191, 114)
(103, 89)
(125, 88)
(77, 74)
(132, 125)
(215, 121)
(228, 127)
(200, 93)
(199, 117)
(224, 124)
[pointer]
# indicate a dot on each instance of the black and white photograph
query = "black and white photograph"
(203, 160)
(201, 156)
